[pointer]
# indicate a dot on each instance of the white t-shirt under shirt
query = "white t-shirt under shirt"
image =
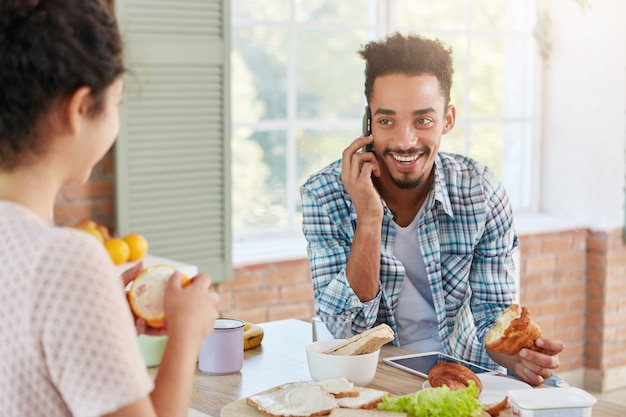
(415, 314)
(68, 346)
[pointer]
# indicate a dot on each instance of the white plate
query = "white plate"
(494, 387)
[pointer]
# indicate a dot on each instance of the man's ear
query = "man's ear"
(450, 119)
(77, 109)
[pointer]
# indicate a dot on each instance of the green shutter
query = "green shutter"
(172, 156)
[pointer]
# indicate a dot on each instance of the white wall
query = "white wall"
(584, 114)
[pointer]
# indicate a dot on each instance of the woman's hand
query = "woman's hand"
(192, 310)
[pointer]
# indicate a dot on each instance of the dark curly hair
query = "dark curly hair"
(410, 54)
(49, 49)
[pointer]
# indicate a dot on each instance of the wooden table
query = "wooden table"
(281, 358)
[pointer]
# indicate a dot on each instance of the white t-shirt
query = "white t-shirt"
(68, 346)
(415, 314)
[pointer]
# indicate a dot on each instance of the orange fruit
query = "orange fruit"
(147, 292)
(94, 232)
(86, 223)
(118, 250)
(137, 244)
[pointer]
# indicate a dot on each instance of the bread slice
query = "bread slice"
(367, 342)
(513, 331)
(494, 409)
(355, 412)
(339, 387)
(368, 398)
(302, 399)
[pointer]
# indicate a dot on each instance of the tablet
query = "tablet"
(421, 363)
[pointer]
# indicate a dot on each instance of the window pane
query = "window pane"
(442, 15)
(316, 149)
(518, 77)
(454, 140)
(486, 145)
(487, 77)
(329, 74)
(258, 180)
(260, 9)
(516, 160)
(459, 80)
(502, 15)
(332, 11)
(260, 54)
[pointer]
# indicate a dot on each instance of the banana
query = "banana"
(252, 336)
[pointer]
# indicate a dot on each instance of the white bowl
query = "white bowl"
(358, 369)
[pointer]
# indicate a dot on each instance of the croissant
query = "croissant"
(453, 375)
(514, 330)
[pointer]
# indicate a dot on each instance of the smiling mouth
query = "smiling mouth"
(406, 159)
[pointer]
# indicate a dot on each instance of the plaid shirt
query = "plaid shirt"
(467, 239)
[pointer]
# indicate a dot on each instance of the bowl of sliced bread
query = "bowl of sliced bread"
(355, 358)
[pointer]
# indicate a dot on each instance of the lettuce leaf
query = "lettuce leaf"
(437, 402)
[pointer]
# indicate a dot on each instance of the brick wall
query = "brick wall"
(605, 348)
(552, 286)
(94, 199)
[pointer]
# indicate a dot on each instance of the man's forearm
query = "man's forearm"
(363, 268)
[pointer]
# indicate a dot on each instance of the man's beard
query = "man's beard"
(408, 184)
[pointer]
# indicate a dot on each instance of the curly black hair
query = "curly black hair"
(49, 49)
(408, 54)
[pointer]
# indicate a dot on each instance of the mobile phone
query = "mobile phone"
(421, 363)
(367, 128)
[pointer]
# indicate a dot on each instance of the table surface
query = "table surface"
(281, 358)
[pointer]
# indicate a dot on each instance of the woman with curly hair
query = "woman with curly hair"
(68, 344)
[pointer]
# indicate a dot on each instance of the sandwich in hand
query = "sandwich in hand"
(514, 330)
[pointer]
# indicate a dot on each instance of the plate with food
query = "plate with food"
(334, 397)
(494, 387)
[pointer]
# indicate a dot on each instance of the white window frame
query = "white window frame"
(248, 250)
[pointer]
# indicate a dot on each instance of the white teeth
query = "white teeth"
(405, 158)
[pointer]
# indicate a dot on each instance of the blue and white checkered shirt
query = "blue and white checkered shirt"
(467, 238)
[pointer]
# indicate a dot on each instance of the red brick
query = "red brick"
(72, 213)
(560, 243)
(616, 258)
(256, 298)
(90, 189)
(576, 290)
(251, 315)
(596, 259)
(295, 293)
(616, 288)
(540, 263)
(596, 245)
(571, 259)
(226, 300)
(289, 275)
(595, 289)
(302, 311)
(105, 166)
(529, 246)
(596, 274)
(243, 281)
(105, 209)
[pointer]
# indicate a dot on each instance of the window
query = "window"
(297, 94)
